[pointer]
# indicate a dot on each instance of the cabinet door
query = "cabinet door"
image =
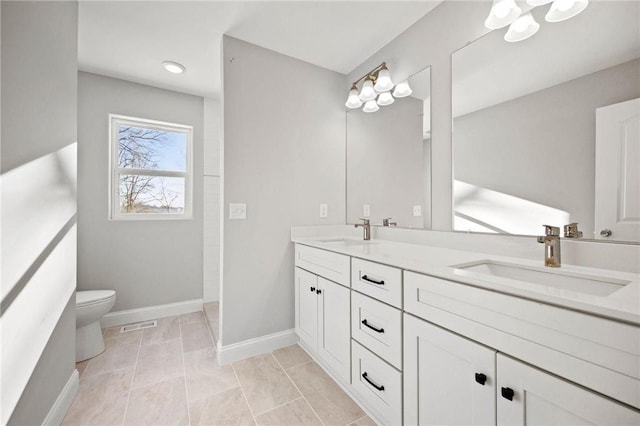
(449, 380)
(306, 308)
(539, 398)
(334, 327)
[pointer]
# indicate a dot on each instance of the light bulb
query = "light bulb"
(367, 93)
(503, 12)
(353, 101)
(561, 10)
(371, 106)
(402, 89)
(522, 28)
(383, 82)
(385, 99)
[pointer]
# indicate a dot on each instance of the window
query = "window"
(150, 170)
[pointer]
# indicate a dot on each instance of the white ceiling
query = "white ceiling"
(129, 40)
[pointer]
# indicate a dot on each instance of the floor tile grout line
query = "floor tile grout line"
(133, 376)
(358, 419)
(268, 410)
(244, 395)
(184, 371)
(296, 386)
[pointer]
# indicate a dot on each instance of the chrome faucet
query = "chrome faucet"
(551, 241)
(366, 227)
(571, 231)
(387, 222)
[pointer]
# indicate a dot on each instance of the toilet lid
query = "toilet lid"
(93, 296)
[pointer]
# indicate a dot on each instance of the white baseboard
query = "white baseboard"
(129, 316)
(63, 401)
(252, 347)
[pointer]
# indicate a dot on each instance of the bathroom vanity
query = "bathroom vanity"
(428, 335)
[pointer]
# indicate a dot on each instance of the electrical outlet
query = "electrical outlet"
(366, 210)
(237, 211)
(417, 210)
(324, 210)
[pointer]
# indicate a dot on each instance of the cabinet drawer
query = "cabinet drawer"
(378, 384)
(379, 281)
(330, 265)
(378, 327)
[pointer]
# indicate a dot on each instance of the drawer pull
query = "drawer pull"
(378, 330)
(379, 387)
(507, 393)
(313, 289)
(481, 378)
(318, 291)
(364, 277)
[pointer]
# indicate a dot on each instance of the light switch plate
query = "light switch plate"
(237, 211)
(324, 210)
(366, 210)
(417, 210)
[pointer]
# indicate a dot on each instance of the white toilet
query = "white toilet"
(91, 306)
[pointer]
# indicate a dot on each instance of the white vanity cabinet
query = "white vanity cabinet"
(448, 379)
(322, 311)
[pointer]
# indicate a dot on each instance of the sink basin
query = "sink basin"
(573, 281)
(345, 242)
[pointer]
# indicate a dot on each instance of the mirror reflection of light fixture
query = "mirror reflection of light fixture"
(522, 28)
(521, 23)
(376, 90)
(561, 10)
(503, 12)
(402, 90)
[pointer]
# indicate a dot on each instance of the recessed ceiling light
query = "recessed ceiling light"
(174, 67)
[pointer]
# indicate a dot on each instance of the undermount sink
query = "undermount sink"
(347, 242)
(573, 281)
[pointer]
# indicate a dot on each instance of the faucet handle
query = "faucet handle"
(365, 221)
(571, 231)
(552, 231)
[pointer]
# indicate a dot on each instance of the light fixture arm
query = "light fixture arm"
(373, 74)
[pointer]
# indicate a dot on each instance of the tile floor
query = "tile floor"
(169, 375)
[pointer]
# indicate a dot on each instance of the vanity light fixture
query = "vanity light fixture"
(522, 28)
(376, 90)
(173, 67)
(521, 22)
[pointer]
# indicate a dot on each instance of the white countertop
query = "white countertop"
(621, 305)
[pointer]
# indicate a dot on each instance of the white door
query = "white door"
(617, 192)
(306, 308)
(539, 398)
(448, 380)
(334, 326)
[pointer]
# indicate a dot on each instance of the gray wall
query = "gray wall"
(211, 201)
(543, 140)
(385, 166)
(146, 262)
(54, 367)
(284, 154)
(39, 100)
(430, 42)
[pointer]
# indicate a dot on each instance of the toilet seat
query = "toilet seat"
(92, 297)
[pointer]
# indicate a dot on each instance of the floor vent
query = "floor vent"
(138, 326)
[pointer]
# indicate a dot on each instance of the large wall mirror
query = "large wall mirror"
(389, 159)
(546, 130)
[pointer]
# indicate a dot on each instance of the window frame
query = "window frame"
(114, 171)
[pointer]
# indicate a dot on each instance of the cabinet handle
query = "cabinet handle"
(312, 289)
(481, 378)
(379, 387)
(364, 277)
(318, 291)
(379, 330)
(507, 393)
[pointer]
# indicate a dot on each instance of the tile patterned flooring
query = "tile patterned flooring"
(169, 375)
